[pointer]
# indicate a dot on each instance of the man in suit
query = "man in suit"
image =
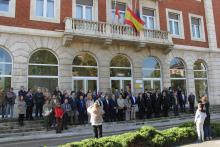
(81, 106)
(112, 108)
(191, 100)
(133, 99)
(106, 107)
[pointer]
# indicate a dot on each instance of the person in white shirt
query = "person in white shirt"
(199, 120)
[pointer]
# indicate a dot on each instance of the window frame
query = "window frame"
(202, 29)
(37, 64)
(84, 12)
(55, 19)
(94, 10)
(181, 23)
(152, 69)
(147, 25)
(11, 10)
(109, 8)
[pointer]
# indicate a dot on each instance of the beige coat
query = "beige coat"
(96, 116)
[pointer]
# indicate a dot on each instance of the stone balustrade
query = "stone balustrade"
(103, 30)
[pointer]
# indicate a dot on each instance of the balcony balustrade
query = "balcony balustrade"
(114, 32)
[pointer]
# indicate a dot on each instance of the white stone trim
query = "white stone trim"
(56, 18)
(182, 34)
(202, 31)
(109, 8)
(152, 5)
(28, 31)
(95, 10)
(11, 12)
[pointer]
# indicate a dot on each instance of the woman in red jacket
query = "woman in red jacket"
(58, 112)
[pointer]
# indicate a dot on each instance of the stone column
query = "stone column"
(190, 87)
(104, 75)
(165, 73)
(212, 69)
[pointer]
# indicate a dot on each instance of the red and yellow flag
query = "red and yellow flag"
(133, 20)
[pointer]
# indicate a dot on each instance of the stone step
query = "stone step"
(20, 130)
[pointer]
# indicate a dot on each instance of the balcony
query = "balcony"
(110, 33)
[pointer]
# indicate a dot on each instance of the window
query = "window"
(43, 70)
(177, 74)
(151, 74)
(5, 70)
(84, 9)
(197, 27)
(149, 18)
(120, 74)
(200, 77)
(85, 72)
(4, 5)
(175, 23)
(121, 7)
(7, 8)
(45, 10)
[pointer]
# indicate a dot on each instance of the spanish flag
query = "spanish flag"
(133, 20)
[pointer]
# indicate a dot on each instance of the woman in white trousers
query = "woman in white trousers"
(199, 120)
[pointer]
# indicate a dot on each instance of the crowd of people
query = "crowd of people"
(60, 109)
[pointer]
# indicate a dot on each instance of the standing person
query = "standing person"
(73, 102)
(106, 107)
(96, 119)
(207, 127)
(157, 104)
(39, 102)
(121, 106)
(184, 101)
(165, 104)
(199, 120)
(175, 103)
(21, 110)
(22, 92)
(113, 108)
(81, 106)
(47, 110)
(191, 100)
(148, 103)
(67, 113)
(10, 99)
(141, 105)
(2, 102)
(89, 102)
(133, 106)
(57, 92)
(58, 112)
(29, 104)
(127, 108)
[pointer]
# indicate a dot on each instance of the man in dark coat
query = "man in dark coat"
(39, 102)
(165, 103)
(112, 108)
(106, 107)
(141, 105)
(157, 103)
(191, 100)
(81, 107)
(148, 104)
(22, 92)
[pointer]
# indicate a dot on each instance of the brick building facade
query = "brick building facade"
(79, 44)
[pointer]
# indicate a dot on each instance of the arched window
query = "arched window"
(151, 74)
(120, 73)
(200, 77)
(43, 70)
(85, 72)
(5, 70)
(178, 74)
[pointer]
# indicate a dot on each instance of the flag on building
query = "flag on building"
(133, 20)
(117, 13)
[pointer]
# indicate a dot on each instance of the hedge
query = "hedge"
(148, 137)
